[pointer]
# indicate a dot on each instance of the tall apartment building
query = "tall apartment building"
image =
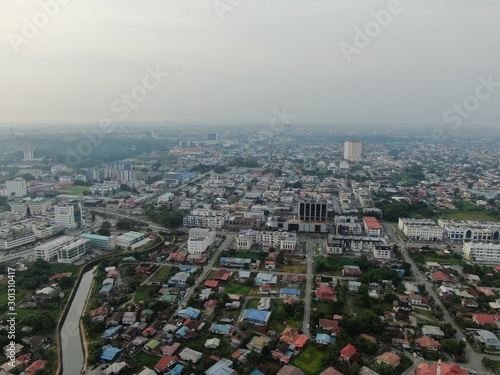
(313, 210)
(372, 226)
(16, 188)
(199, 240)
(352, 150)
(69, 215)
(120, 170)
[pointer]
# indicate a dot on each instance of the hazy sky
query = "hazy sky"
(232, 61)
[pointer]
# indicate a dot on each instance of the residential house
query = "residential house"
(325, 292)
(389, 359)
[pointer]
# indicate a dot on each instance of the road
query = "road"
(309, 285)
(207, 268)
(474, 358)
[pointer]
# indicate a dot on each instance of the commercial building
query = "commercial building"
(481, 252)
(128, 239)
(199, 240)
(16, 188)
(313, 210)
(284, 241)
(73, 251)
(37, 206)
(50, 250)
(100, 242)
(420, 229)
(372, 227)
(69, 214)
(44, 230)
(470, 231)
(352, 150)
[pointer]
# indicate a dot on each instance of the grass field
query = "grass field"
(234, 288)
(310, 360)
(145, 359)
(76, 190)
(297, 268)
(144, 293)
(463, 215)
(162, 274)
(447, 260)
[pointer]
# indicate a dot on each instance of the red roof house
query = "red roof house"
(327, 293)
(165, 362)
(442, 276)
(348, 351)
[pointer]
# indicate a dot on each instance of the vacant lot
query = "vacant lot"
(310, 360)
(77, 190)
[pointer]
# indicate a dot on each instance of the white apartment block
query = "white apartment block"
(337, 244)
(45, 230)
(16, 188)
(284, 241)
(468, 230)
(420, 229)
(72, 252)
(206, 218)
(352, 150)
(199, 240)
(382, 252)
(482, 252)
(49, 250)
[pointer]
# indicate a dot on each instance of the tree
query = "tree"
(453, 347)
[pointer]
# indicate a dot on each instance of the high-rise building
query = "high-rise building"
(212, 136)
(16, 188)
(69, 215)
(313, 210)
(352, 150)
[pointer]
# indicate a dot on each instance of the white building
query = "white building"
(199, 240)
(284, 241)
(44, 230)
(420, 229)
(352, 150)
(49, 250)
(468, 230)
(73, 251)
(382, 252)
(16, 188)
(482, 252)
(16, 240)
(69, 215)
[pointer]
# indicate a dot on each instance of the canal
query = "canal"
(71, 341)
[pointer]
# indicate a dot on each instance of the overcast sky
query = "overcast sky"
(236, 63)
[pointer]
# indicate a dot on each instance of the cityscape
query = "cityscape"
(252, 252)
(228, 187)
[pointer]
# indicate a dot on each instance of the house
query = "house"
(353, 286)
(439, 368)
(293, 336)
(325, 292)
(264, 303)
(270, 264)
(433, 331)
(426, 342)
(351, 271)
(347, 352)
(221, 367)
(110, 353)
(389, 359)
(112, 332)
(190, 355)
(288, 292)
(99, 314)
(323, 338)
(290, 370)
(331, 371)
(484, 319)
(189, 313)
(212, 343)
(258, 343)
(212, 284)
(34, 367)
(146, 315)
(265, 278)
(221, 329)
(129, 318)
(222, 275)
(165, 362)
(442, 276)
(330, 325)
(255, 316)
(367, 371)
(487, 340)
(292, 279)
(171, 349)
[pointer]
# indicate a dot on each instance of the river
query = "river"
(72, 348)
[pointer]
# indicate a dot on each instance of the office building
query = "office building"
(49, 250)
(482, 252)
(72, 252)
(420, 229)
(16, 188)
(69, 214)
(313, 210)
(352, 150)
(100, 242)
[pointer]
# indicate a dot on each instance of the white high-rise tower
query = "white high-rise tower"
(352, 150)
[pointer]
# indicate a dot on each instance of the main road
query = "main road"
(474, 358)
